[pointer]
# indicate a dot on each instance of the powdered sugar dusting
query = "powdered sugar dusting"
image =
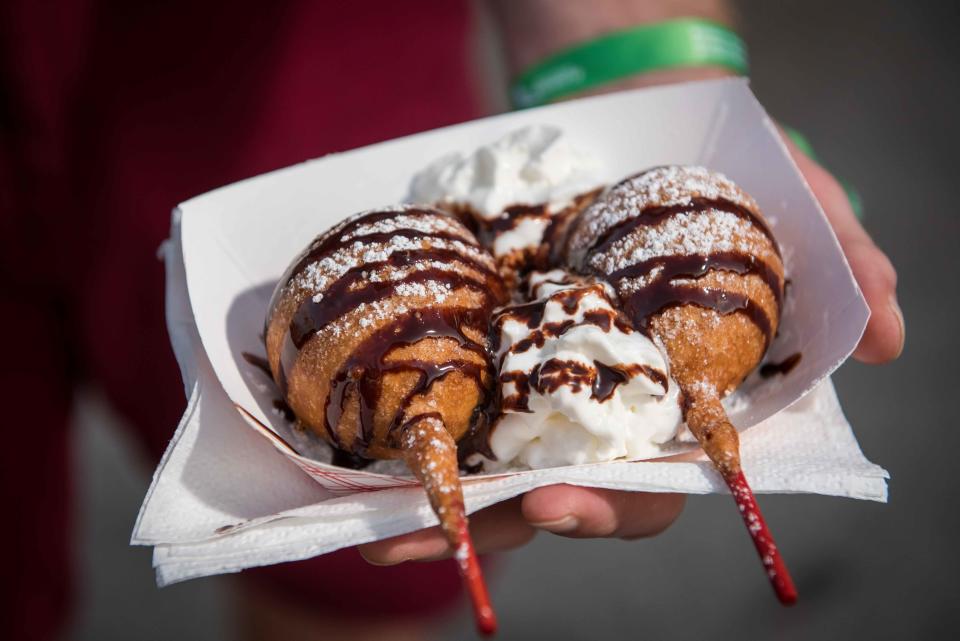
(433, 289)
(318, 276)
(659, 187)
(702, 232)
(425, 224)
(681, 322)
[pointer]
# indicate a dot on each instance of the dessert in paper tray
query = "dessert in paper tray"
(556, 295)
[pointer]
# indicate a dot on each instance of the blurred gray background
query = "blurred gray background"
(874, 87)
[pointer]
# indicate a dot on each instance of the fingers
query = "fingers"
(884, 337)
(583, 512)
(567, 510)
(499, 527)
(885, 334)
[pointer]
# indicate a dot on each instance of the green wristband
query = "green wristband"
(686, 42)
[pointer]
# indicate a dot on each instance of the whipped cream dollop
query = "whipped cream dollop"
(578, 384)
(533, 166)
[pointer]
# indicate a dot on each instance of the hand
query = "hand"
(567, 510)
(584, 512)
(883, 340)
(579, 512)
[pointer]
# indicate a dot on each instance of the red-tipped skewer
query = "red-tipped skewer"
(708, 421)
(762, 538)
(432, 456)
(469, 566)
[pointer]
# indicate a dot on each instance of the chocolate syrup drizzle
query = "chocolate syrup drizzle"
(553, 240)
(332, 240)
(555, 236)
(548, 377)
(341, 458)
(656, 214)
(531, 314)
(365, 367)
(661, 293)
(279, 404)
(608, 377)
(487, 229)
(769, 370)
(362, 372)
(512, 216)
(259, 362)
(346, 459)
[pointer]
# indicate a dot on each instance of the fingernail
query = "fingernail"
(381, 563)
(384, 564)
(895, 308)
(559, 526)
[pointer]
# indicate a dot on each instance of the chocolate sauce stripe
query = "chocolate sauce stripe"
(557, 372)
(557, 329)
(333, 238)
(642, 307)
(374, 218)
(697, 265)
(512, 216)
(561, 222)
(539, 336)
(340, 299)
(314, 317)
(330, 242)
(606, 381)
(548, 377)
(531, 314)
(654, 215)
(364, 368)
(557, 227)
(330, 247)
(785, 366)
(520, 401)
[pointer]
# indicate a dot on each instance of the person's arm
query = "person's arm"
(532, 30)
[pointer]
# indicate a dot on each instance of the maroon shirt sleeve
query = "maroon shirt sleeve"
(36, 307)
(114, 112)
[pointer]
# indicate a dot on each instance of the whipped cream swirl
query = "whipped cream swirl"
(533, 167)
(578, 384)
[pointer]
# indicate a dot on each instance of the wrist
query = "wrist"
(533, 30)
(655, 79)
(676, 50)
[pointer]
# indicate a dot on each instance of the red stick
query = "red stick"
(762, 539)
(472, 578)
(431, 455)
